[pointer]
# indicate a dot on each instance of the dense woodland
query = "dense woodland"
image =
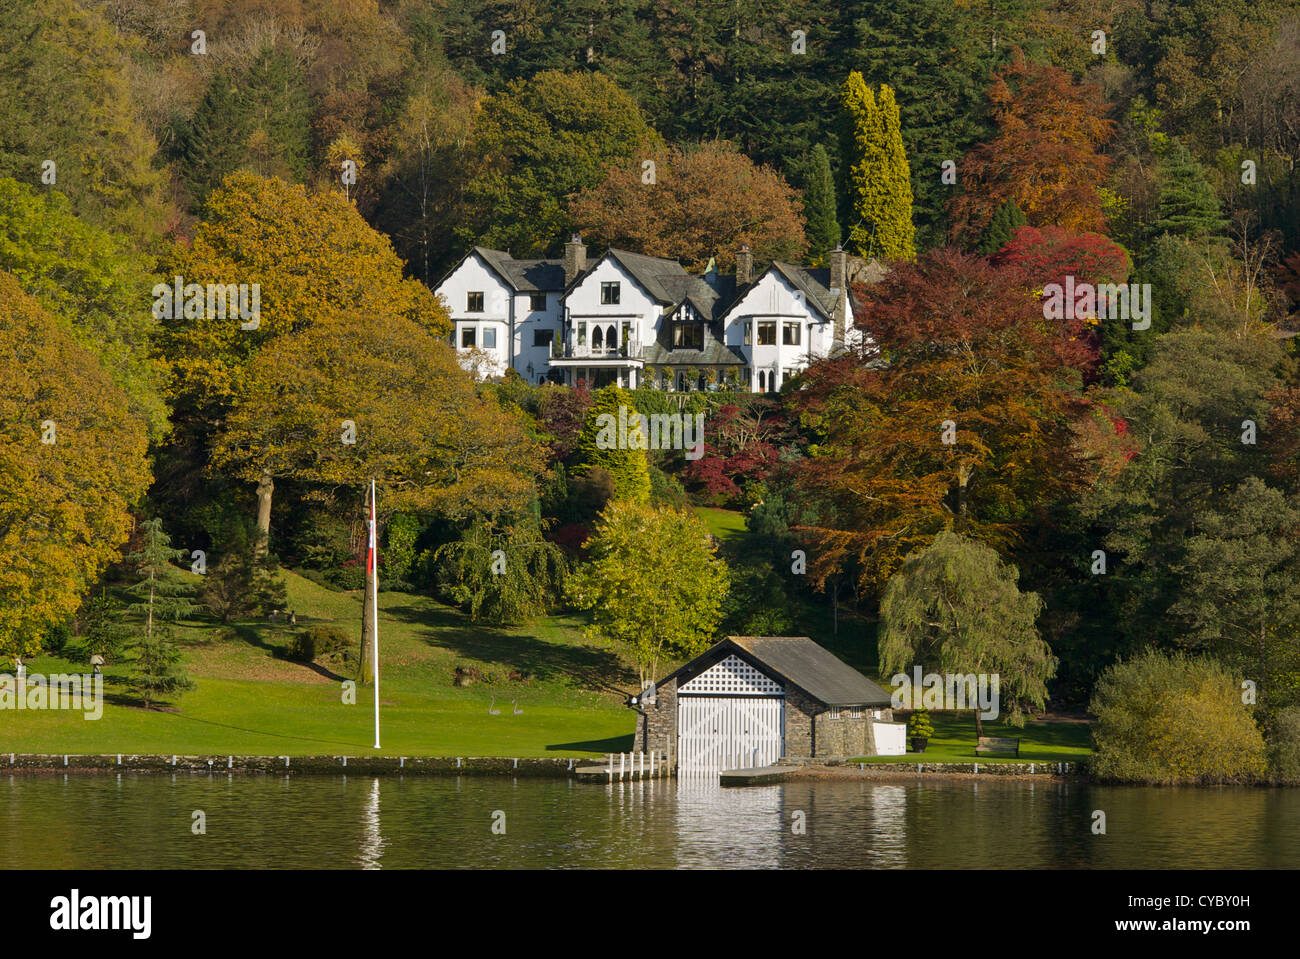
(1142, 485)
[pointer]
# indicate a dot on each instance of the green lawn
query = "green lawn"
(725, 524)
(250, 702)
(954, 741)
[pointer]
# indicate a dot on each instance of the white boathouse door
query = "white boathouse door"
(731, 716)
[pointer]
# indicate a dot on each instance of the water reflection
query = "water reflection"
(372, 843)
(130, 820)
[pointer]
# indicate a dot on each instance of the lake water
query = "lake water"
(258, 822)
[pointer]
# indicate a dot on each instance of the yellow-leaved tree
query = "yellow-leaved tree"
(362, 396)
(307, 257)
(72, 461)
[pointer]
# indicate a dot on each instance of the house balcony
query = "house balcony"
(627, 353)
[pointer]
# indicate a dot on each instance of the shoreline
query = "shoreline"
(561, 767)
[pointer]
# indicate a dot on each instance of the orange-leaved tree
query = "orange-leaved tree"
(1044, 156)
(964, 419)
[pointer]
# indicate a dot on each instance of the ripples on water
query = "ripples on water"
(144, 821)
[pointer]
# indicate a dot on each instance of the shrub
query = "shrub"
(918, 724)
(1165, 719)
(1284, 746)
(302, 647)
(318, 641)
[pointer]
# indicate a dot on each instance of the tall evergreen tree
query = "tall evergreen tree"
(1187, 205)
(997, 234)
(937, 61)
(879, 185)
(164, 598)
(822, 227)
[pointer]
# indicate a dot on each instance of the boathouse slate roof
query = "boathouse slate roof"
(799, 660)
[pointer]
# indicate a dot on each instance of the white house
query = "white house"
(639, 320)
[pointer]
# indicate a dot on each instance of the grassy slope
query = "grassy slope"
(249, 702)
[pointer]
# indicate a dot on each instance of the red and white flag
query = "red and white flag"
(372, 555)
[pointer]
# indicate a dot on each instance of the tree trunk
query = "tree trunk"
(979, 727)
(265, 487)
(368, 632)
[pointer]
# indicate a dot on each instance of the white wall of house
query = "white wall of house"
(586, 311)
(775, 309)
(488, 326)
(529, 348)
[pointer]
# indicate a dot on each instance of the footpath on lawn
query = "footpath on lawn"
(248, 701)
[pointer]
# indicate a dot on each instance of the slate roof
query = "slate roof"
(814, 284)
(799, 660)
(655, 274)
(713, 354)
(525, 276)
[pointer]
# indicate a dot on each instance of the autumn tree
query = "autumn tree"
(1044, 156)
(654, 583)
(956, 608)
(309, 256)
(1168, 719)
(93, 282)
(72, 462)
(1050, 254)
(700, 203)
(876, 171)
(68, 100)
(960, 416)
(540, 141)
(348, 400)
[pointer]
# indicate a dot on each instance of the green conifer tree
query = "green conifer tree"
(1187, 205)
(1006, 220)
(164, 598)
(822, 227)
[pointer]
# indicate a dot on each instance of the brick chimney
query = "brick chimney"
(744, 266)
(575, 258)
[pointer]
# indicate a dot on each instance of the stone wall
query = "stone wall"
(800, 716)
(332, 765)
(656, 724)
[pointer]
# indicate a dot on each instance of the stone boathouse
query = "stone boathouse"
(751, 700)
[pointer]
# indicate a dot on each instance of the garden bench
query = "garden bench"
(990, 745)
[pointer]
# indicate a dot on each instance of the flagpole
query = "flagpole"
(374, 571)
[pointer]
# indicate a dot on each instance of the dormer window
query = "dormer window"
(474, 302)
(610, 293)
(688, 336)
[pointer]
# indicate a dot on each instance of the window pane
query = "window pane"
(609, 293)
(467, 339)
(489, 339)
(767, 333)
(474, 302)
(542, 337)
(790, 334)
(536, 301)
